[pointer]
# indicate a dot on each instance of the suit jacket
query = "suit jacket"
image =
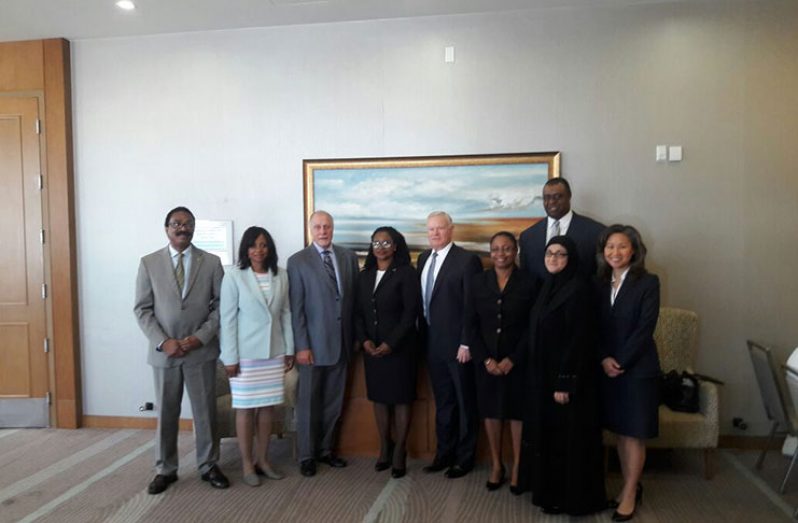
(322, 320)
(497, 321)
(389, 312)
(445, 331)
(627, 328)
(250, 327)
(583, 230)
(163, 313)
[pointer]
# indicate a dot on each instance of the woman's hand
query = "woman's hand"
(289, 363)
(562, 397)
(611, 367)
(505, 366)
(383, 350)
(231, 370)
(492, 367)
(369, 347)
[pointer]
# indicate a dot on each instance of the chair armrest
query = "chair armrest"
(708, 401)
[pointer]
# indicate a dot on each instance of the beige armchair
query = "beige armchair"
(283, 422)
(675, 336)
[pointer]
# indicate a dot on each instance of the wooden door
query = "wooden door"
(24, 374)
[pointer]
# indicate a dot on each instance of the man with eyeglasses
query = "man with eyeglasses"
(560, 221)
(321, 280)
(177, 307)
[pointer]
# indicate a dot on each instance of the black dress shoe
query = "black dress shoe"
(437, 465)
(551, 510)
(333, 461)
(494, 485)
(161, 482)
(398, 473)
(515, 490)
(456, 471)
(215, 477)
(307, 468)
(382, 465)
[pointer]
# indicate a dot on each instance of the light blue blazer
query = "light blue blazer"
(251, 328)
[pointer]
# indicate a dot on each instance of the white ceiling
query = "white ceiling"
(76, 19)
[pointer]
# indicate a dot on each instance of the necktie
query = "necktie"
(555, 228)
(180, 272)
(330, 268)
(430, 284)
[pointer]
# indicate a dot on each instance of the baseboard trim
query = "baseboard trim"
(749, 442)
(121, 422)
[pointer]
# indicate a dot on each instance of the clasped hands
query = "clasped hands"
(175, 348)
(611, 367)
(376, 351)
(501, 368)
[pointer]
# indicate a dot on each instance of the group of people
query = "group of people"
(559, 347)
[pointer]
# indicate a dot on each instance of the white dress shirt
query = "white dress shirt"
(565, 222)
(615, 290)
(438, 263)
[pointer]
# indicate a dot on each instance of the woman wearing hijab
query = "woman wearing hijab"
(562, 431)
(498, 310)
(387, 304)
(629, 309)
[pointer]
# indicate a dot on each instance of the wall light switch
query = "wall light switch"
(448, 54)
(662, 153)
(675, 153)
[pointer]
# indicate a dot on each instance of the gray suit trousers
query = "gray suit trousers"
(200, 381)
(320, 399)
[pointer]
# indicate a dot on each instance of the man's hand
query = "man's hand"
(492, 367)
(463, 354)
(172, 348)
(505, 365)
(289, 363)
(611, 367)
(190, 343)
(304, 357)
(231, 370)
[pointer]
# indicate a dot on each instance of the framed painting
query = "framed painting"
(484, 194)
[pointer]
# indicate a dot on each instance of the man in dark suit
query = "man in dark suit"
(445, 272)
(177, 307)
(561, 220)
(322, 290)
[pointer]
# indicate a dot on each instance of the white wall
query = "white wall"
(220, 122)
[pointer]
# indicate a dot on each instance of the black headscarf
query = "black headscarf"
(554, 283)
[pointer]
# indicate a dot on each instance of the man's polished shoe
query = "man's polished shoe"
(215, 477)
(456, 471)
(333, 461)
(161, 482)
(307, 468)
(437, 465)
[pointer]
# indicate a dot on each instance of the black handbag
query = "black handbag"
(680, 391)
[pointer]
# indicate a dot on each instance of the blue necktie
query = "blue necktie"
(330, 268)
(430, 285)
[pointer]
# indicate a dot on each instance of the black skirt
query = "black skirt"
(630, 406)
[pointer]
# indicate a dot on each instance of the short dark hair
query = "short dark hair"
(559, 181)
(177, 209)
(506, 234)
(637, 267)
(249, 238)
(401, 256)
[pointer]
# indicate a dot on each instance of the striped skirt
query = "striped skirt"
(260, 383)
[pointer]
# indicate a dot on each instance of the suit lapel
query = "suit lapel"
(385, 277)
(251, 281)
(342, 265)
(196, 262)
(318, 265)
(442, 271)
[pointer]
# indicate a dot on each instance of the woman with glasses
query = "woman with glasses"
(387, 305)
(497, 314)
(629, 308)
(562, 428)
(257, 346)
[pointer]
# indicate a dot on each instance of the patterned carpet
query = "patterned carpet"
(98, 475)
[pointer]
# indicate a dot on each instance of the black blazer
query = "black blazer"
(582, 230)
(388, 314)
(627, 328)
(497, 321)
(446, 329)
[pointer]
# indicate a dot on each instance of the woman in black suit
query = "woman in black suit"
(387, 305)
(562, 427)
(629, 308)
(497, 314)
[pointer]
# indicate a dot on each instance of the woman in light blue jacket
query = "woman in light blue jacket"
(257, 346)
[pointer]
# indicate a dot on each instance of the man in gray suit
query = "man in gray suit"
(322, 290)
(177, 307)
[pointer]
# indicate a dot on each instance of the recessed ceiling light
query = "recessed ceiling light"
(127, 5)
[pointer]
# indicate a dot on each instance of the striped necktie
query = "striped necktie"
(330, 268)
(180, 272)
(430, 284)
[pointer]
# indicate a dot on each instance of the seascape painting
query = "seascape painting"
(483, 194)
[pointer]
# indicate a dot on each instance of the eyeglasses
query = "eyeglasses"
(381, 243)
(556, 254)
(553, 197)
(177, 225)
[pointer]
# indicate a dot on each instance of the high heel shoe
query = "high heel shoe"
(494, 485)
(618, 516)
(268, 472)
(385, 464)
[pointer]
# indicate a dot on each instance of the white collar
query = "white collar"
(174, 252)
(443, 252)
(565, 221)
